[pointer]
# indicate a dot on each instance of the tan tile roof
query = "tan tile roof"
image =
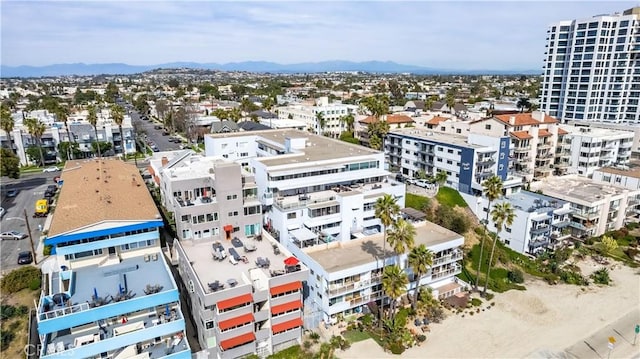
(95, 191)
(544, 133)
(391, 119)
(549, 119)
(562, 132)
(436, 120)
(521, 135)
(521, 119)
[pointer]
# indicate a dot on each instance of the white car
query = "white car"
(51, 169)
(2, 212)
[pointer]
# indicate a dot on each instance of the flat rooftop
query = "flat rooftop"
(100, 190)
(318, 148)
(208, 269)
(633, 171)
(534, 202)
(431, 135)
(599, 132)
(576, 189)
(344, 255)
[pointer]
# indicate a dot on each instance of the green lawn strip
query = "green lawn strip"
(354, 336)
(294, 352)
(450, 197)
(416, 202)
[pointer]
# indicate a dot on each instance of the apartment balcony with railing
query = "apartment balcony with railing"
(523, 159)
(544, 145)
(540, 229)
(304, 200)
(180, 201)
(586, 215)
(522, 148)
(539, 242)
(455, 255)
(446, 271)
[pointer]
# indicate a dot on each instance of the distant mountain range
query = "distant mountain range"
(82, 69)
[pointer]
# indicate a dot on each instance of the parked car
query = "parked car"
(15, 235)
(2, 212)
(25, 258)
(421, 183)
(12, 193)
(51, 169)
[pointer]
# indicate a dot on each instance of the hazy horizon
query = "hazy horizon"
(447, 35)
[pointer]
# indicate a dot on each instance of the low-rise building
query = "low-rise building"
(107, 290)
(540, 221)
(597, 207)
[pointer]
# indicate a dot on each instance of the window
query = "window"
(209, 324)
(185, 218)
(487, 127)
(291, 215)
(233, 196)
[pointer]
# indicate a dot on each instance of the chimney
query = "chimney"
(512, 120)
(165, 160)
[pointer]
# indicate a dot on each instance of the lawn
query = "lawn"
(356, 335)
(449, 197)
(416, 202)
(294, 352)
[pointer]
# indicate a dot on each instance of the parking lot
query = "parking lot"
(29, 189)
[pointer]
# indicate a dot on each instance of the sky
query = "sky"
(468, 35)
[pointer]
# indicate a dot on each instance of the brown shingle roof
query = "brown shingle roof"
(521, 135)
(391, 119)
(521, 119)
(95, 191)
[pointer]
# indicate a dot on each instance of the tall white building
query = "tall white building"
(592, 68)
(332, 114)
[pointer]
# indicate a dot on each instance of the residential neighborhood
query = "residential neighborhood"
(193, 212)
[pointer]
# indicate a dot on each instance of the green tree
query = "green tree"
(441, 178)
(268, 103)
(348, 121)
(234, 114)
(92, 118)
(377, 105)
(117, 115)
(162, 106)
(386, 209)
(450, 100)
(523, 103)
(401, 237)
(320, 122)
(69, 150)
(492, 189)
(62, 113)
(6, 124)
(221, 114)
(9, 163)
(502, 215)
(36, 129)
(111, 92)
(394, 284)
(420, 261)
(377, 131)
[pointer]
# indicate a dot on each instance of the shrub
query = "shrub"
(47, 250)
(306, 344)
(35, 283)
(314, 336)
(5, 338)
(396, 348)
(7, 311)
(488, 296)
(421, 337)
(476, 302)
(20, 279)
(516, 276)
(551, 278)
(631, 252)
(601, 276)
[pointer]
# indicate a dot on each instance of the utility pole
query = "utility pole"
(33, 251)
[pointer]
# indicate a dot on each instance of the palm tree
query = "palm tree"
(117, 115)
(386, 209)
(523, 103)
(502, 216)
(348, 120)
(451, 102)
(7, 124)
(441, 177)
(394, 284)
(321, 122)
(36, 129)
(420, 261)
(62, 113)
(235, 115)
(92, 118)
(492, 189)
(401, 237)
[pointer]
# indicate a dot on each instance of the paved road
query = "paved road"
(153, 134)
(32, 187)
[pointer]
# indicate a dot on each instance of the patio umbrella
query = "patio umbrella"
(291, 261)
(60, 298)
(166, 308)
(95, 293)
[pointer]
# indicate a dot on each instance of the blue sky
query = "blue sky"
(497, 35)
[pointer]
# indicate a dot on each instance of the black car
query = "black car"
(25, 258)
(12, 193)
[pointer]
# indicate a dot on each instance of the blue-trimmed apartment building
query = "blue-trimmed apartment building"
(107, 291)
(468, 160)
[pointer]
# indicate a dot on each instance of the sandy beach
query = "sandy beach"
(561, 321)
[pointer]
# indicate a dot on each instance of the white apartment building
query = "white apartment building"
(540, 221)
(590, 148)
(331, 113)
(592, 68)
(468, 160)
(628, 177)
(319, 194)
(533, 136)
(597, 207)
